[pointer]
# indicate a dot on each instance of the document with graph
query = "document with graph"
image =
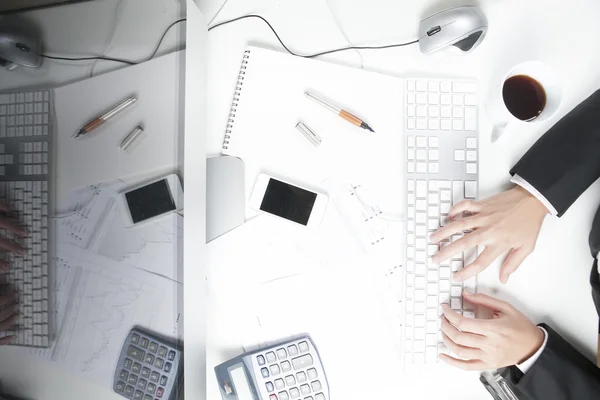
(99, 302)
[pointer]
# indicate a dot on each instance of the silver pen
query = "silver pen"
(97, 122)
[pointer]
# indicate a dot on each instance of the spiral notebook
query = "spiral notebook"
(269, 101)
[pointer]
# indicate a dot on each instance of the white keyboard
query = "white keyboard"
(25, 169)
(441, 155)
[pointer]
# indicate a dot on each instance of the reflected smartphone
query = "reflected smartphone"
(151, 200)
(288, 201)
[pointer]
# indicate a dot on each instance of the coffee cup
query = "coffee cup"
(529, 93)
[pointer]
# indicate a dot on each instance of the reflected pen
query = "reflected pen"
(353, 119)
(97, 122)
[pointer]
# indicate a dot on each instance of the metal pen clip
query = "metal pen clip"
(309, 133)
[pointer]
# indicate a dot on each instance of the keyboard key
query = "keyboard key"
(421, 98)
(264, 372)
(458, 191)
(421, 111)
(294, 393)
(433, 224)
(471, 143)
(421, 85)
(410, 110)
(151, 388)
(163, 380)
(421, 154)
(457, 112)
(259, 359)
(434, 154)
(457, 125)
(410, 124)
(470, 189)
(271, 357)
(433, 142)
(421, 168)
(279, 384)
(421, 187)
(445, 112)
(470, 118)
(434, 124)
(146, 372)
(457, 99)
(459, 155)
(305, 389)
(129, 391)
(410, 85)
(433, 99)
(471, 155)
(446, 125)
(286, 366)
(456, 303)
(410, 98)
(421, 124)
(471, 168)
(410, 168)
(464, 87)
(144, 343)
(433, 86)
(153, 347)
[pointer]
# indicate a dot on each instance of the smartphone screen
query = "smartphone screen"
(150, 201)
(287, 201)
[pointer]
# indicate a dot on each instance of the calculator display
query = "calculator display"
(289, 202)
(240, 383)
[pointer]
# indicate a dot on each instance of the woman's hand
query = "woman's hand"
(509, 338)
(8, 315)
(507, 221)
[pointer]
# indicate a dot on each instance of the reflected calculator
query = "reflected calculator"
(288, 370)
(148, 368)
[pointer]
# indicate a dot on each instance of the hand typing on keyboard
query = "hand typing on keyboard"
(509, 221)
(8, 314)
(9, 226)
(509, 338)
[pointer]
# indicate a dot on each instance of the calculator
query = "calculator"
(288, 370)
(148, 368)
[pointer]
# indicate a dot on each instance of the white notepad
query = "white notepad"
(269, 101)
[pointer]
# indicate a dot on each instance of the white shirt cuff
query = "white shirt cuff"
(527, 364)
(525, 185)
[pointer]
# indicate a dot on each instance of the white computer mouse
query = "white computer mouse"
(459, 28)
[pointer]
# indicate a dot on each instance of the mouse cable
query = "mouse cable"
(316, 54)
(119, 60)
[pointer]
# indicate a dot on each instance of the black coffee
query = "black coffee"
(524, 97)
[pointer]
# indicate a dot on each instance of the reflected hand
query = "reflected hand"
(9, 225)
(510, 220)
(8, 316)
(482, 344)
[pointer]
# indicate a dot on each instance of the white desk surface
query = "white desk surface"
(82, 29)
(552, 285)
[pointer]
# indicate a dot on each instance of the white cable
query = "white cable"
(341, 29)
(109, 39)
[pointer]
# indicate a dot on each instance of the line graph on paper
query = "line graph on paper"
(102, 308)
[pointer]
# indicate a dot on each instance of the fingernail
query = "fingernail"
(445, 307)
(465, 293)
(456, 278)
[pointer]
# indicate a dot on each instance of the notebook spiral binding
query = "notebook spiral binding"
(236, 99)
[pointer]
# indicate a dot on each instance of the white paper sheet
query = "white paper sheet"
(270, 281)
(98, 307)
(93, 222)
(158, 85)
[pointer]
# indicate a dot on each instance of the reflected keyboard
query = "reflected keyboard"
(441, 170)
(25, 169)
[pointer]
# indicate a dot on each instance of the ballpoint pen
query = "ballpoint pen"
(90, 126)
(353, 119)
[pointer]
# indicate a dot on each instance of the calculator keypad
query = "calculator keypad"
(289, 373)
(145, 370)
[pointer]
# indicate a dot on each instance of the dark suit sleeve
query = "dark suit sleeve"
(560, 373)
(565, 161)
